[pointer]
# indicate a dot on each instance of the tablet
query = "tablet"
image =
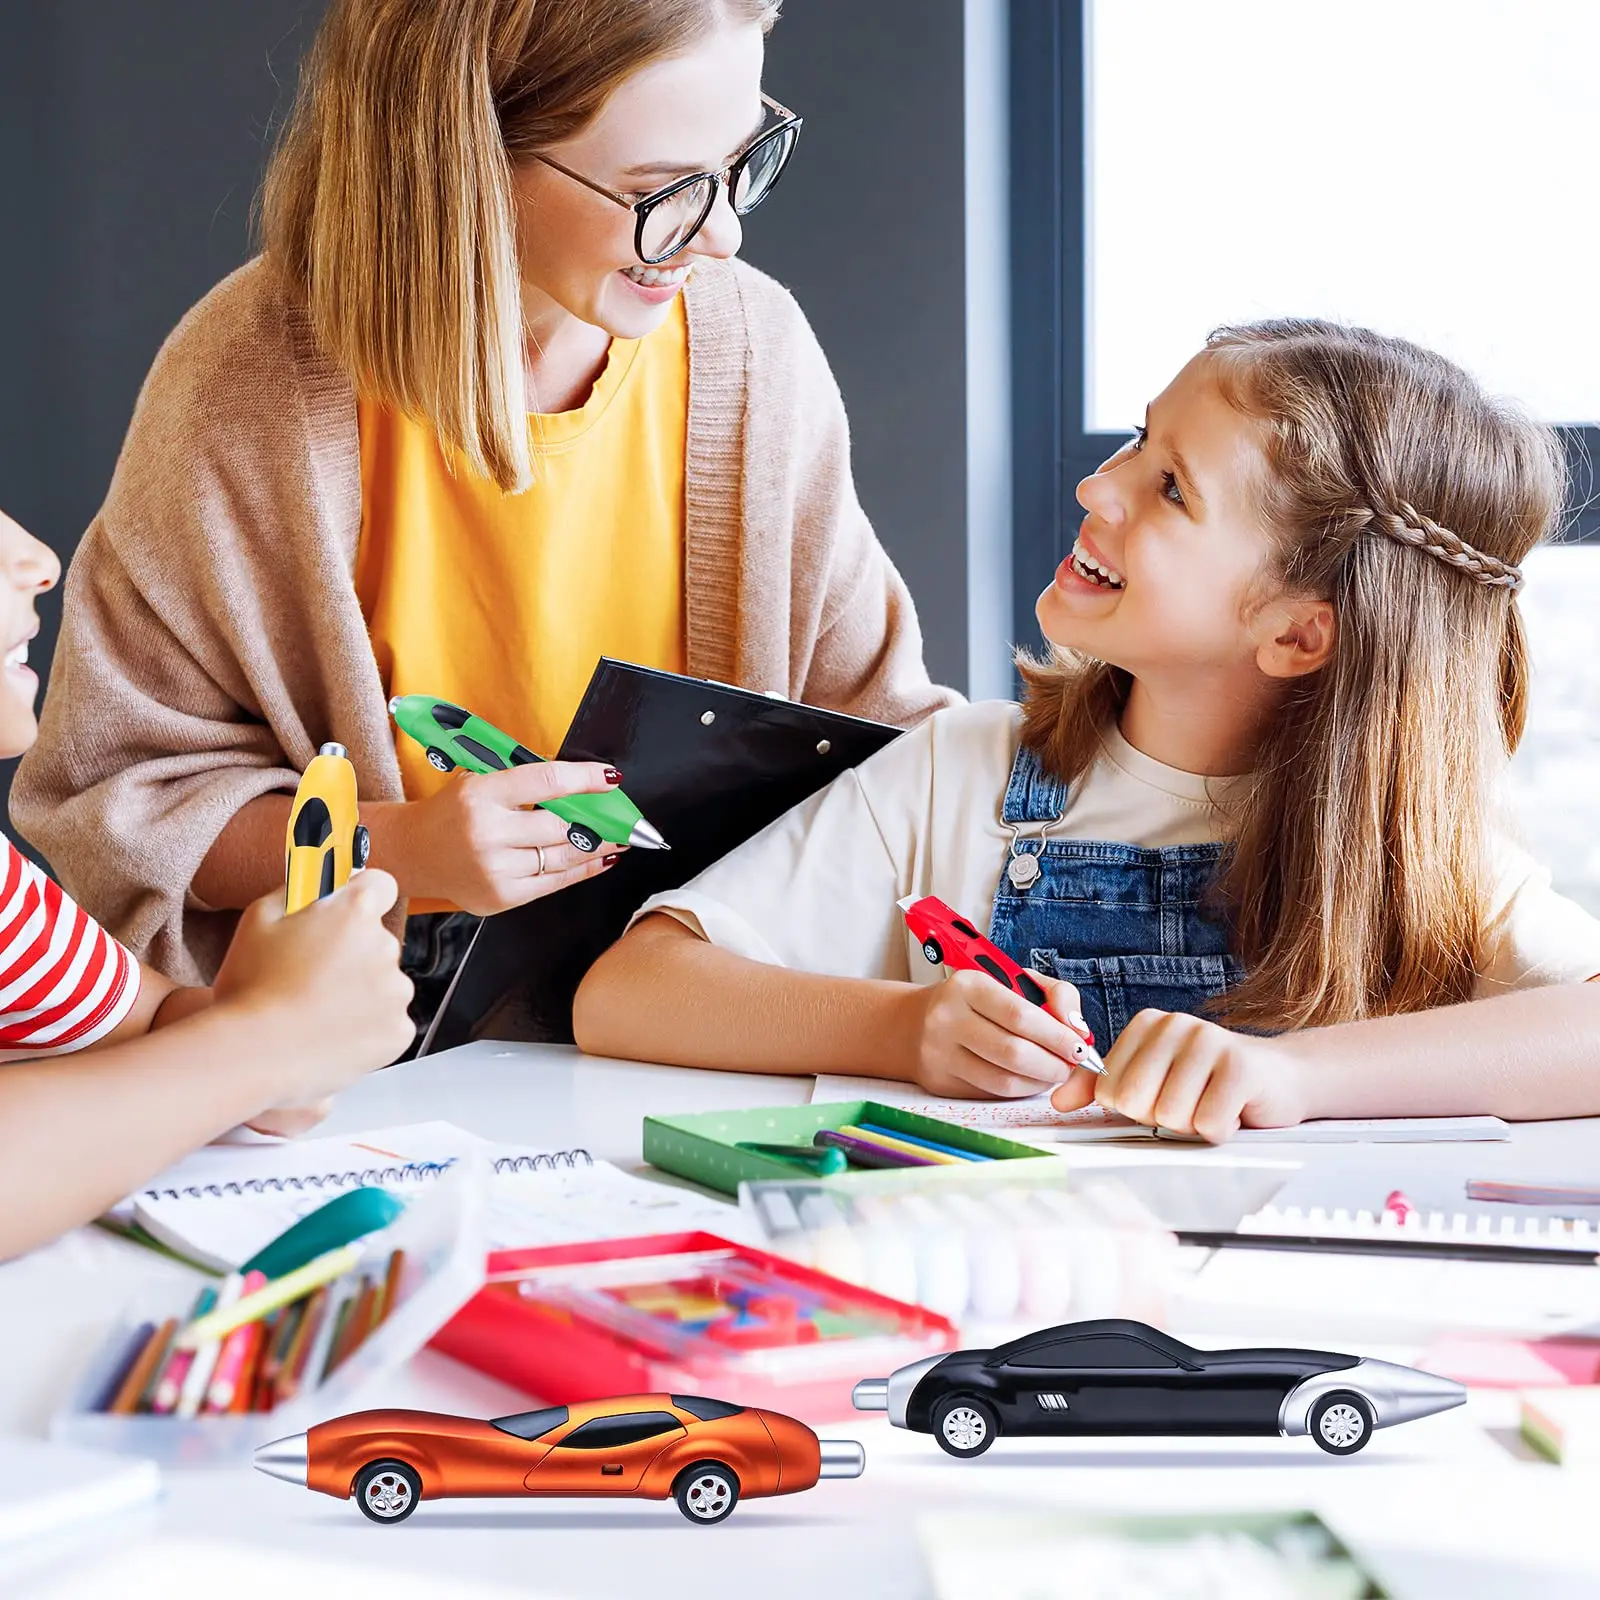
(709, 765)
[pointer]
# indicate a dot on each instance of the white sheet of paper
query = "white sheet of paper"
(1034, 1116)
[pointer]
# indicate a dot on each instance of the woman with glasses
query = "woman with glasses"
(495, 400)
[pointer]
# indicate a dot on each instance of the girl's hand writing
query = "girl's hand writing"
(1182, 1073)
(975, 1038)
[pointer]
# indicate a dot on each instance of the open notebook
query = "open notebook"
(221, 1205)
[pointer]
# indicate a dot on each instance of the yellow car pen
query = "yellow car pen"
(325, 841)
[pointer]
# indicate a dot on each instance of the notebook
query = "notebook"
(1344, 1207)
(221, 1205)
(1036, 1118)
(47, 1487)
(707, 764)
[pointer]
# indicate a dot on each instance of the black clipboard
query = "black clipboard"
(710, 765)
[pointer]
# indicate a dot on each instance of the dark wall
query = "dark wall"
(132, 134)
(131, 141)
(866, 229)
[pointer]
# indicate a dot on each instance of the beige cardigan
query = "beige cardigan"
(212, 639)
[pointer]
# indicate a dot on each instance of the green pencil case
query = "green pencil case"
(703, 1145)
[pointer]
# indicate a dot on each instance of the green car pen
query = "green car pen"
(453, 737)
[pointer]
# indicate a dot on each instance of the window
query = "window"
(1073, 1354)
(314, 824)
(705, 1410)
(1175, 166)
(531, 1424)
(448, 716)
(613, 1433)
(1402, 166)
(522, 756)
(481, 751)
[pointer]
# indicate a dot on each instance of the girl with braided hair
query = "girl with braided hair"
(1246, 824)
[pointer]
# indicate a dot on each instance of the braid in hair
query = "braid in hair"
(1406, 525)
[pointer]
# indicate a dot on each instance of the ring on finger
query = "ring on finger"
(540, 849)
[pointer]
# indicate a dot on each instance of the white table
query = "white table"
(1444, 1507)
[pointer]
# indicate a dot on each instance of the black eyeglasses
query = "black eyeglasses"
(668, 219)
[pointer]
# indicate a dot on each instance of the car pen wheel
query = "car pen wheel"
(388, 1491)
(360, 847)
(963, 1426)
(438, 760)
(707, 1492)
(930, 948)
(1341, 1423)
(583, 839)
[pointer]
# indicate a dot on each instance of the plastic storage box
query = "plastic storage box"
(442, 1234)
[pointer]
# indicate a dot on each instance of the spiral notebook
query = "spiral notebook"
(1343, 1208)
(224, 1203)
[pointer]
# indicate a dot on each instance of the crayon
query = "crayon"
(925, 1144)
(864, 1153)
(890, 1142)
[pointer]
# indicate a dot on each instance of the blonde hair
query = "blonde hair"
(1356, 882)
(388, 207)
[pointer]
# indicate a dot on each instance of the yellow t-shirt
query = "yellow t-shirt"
(504, 602)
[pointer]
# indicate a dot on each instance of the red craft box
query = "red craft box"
(552, 1326)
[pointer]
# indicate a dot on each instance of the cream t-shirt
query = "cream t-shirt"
(817, 890)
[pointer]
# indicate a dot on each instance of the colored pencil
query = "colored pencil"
(285, 1325)
(149, 1358)
(207, 1352)
(235, 1367)
(924, 1144)
(890, 1142)
(286, 1383)
(391, 1287)
(232, 1354)
(176, 1367)
(355, 1326)
(340, 1298)
(863, 1153)
(127, 1359)
(264, 1296)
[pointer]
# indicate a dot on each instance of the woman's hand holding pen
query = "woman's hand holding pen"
(974, 1037)
(1179, 1072)
(479, 844)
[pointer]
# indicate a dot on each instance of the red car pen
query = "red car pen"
(951, 940)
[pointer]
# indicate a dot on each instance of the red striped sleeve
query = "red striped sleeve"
(64, 981)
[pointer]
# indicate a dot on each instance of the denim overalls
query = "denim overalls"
(1122, 923)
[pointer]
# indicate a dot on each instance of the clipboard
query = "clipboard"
(710, 765)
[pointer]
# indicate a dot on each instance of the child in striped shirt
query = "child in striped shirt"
(108, 1073)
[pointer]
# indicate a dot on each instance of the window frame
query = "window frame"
(1052, 447)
